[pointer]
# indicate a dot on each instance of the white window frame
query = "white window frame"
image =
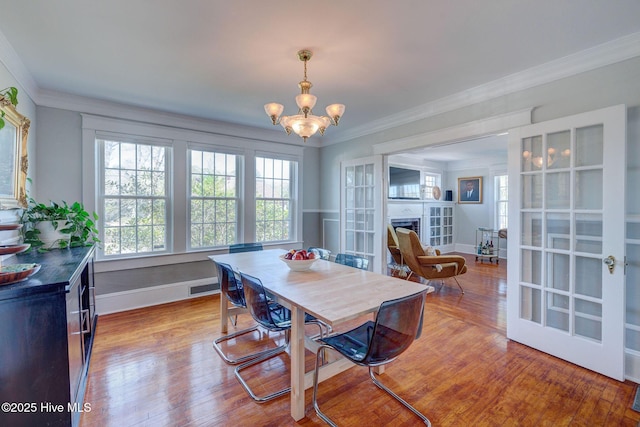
(292, 200)
(427, 189)
(498, 201)
(180, 137)
(102, 196)
(239, 176)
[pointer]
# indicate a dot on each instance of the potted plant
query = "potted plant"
(58, 225)
(8, 95)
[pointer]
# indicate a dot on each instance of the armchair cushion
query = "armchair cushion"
(424, 265)
(450, 265)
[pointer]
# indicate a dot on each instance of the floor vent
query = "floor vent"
(194, 290)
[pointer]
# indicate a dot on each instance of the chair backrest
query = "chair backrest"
(245, 247)
(321, 252)
(410, 247)
(353, 261)
(268, 314)
(230, 285)
(398, 324)
(393, 245)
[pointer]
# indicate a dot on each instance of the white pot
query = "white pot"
(52, 237)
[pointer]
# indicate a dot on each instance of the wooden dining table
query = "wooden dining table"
(331, 292)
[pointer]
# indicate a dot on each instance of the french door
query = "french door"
(566, 240)
(361, 210)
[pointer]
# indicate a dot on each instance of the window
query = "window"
(430, 180)
(274, 201)
(213, 199)
(170, 191)
(501, 199)
(134, 197)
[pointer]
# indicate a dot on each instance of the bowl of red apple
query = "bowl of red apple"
(299, 260)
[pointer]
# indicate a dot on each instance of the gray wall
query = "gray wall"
(60, 150)
(57, 157)
(60, 178)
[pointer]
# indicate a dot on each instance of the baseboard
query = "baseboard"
(472, 250)
(138, 298)
(632, 365)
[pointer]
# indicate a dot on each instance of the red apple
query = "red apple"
(300, 255)
(288, 255)
(311, 255)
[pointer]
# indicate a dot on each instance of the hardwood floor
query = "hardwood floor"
(156, 367)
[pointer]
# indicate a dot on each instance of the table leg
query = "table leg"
(224, 314)
(297, 363)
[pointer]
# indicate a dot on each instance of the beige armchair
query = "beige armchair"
(394, 249)
(430, 267)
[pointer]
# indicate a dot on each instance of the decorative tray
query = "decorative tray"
(5, 227)
(13, 249)
(17, 272)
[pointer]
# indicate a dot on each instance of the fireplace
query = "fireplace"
(408, 223)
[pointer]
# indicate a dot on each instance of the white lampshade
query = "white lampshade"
(305, 127)
(334, 110)
(273, 109)
(326, 122)
(306, 100)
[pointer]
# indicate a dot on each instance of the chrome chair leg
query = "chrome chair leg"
(270, 396)
(398, 398)
(218, 348)
(328, 420)
(319, 356)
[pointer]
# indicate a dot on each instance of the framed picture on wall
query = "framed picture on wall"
(470, 190)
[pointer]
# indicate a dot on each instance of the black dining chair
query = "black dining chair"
(353, 261)
(398, 323)
(231, 288)
(244, 247)
(273, 317)
(321, 253)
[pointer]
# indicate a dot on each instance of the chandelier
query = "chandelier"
(552, 157)
(305, 124)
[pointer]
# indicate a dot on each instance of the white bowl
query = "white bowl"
(298, 264)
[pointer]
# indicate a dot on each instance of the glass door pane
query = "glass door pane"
(561, 177)
(568, 209)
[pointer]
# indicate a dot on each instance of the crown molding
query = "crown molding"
(462, 132)
(110, 109)
(14, 65)
(54, 99)
(608, 53)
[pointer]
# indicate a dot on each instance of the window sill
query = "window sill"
(144, 261)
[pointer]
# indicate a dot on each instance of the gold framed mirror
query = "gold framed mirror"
(13, 157)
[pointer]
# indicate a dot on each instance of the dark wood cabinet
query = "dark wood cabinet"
(47, 327)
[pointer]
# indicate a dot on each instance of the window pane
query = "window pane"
(213, 199)
(133, 194)
(273, 199)
(501, 196)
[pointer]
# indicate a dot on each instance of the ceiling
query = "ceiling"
(223, 60)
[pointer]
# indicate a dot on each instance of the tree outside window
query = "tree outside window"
(274, 183)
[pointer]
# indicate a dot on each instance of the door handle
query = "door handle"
(610, 262)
